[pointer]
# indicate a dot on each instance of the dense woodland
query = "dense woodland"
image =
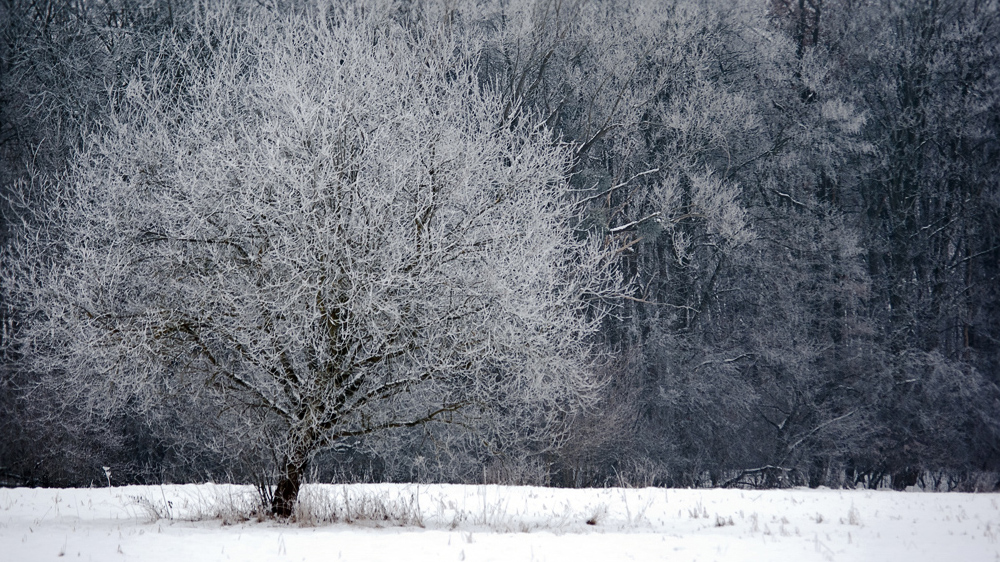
(572, 243)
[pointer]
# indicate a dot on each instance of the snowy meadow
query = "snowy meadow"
(453, 522)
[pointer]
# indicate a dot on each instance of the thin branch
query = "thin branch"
(618, 186)
(634, 223)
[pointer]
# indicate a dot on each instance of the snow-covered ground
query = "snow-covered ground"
(191, 523)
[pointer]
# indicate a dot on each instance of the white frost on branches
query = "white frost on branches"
(326, 221)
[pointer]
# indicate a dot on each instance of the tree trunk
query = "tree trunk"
(287, 492)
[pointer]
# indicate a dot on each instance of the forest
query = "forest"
(573, 243)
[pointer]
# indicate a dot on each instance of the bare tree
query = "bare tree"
(325, 226)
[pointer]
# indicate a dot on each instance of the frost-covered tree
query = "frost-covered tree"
(709, 148)
(60, 63)
(930, 211)
(321, 224)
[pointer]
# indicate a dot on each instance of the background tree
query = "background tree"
(929, 216)
(60, 64)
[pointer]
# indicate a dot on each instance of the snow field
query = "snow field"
(404, 522)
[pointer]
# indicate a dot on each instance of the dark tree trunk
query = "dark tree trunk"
(287, 492)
